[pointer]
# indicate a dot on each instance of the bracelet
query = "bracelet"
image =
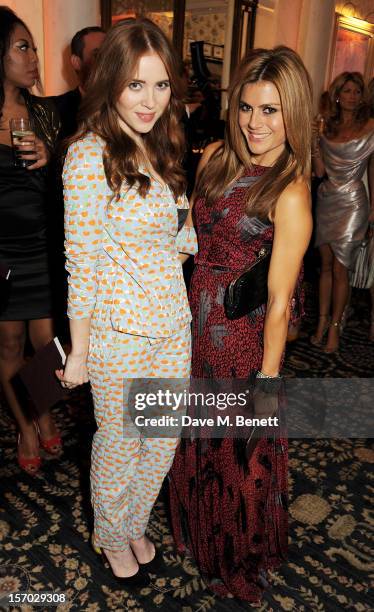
(262, 375)
(268, 384)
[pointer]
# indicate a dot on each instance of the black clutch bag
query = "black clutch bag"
(249, 290)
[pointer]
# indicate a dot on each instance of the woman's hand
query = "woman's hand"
(41, 155)
(75, 372)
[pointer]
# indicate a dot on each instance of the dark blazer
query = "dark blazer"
(67, 105)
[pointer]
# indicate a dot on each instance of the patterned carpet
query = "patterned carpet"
(45, 522)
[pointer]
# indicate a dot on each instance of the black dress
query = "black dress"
(23, 224)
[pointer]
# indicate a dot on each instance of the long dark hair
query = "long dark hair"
(8, 21)
(115, 66)
(284, 68)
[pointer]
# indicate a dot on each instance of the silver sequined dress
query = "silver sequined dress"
(342, 203)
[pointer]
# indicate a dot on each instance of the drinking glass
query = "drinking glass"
(23, 141)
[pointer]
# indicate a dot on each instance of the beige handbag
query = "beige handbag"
(362, 277)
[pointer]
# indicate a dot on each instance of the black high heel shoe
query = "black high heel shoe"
(137, 581)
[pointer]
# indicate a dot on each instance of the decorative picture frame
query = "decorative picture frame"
(178, 20)
(208, 49)
(218, 52)
(352, 48)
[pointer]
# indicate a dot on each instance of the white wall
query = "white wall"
(315, 40)
(62, 18)
(265, 24)
(304, 25)
(287, 15)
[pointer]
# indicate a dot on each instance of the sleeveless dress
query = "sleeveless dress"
(230, 513)
(23, 225)
(342, 203)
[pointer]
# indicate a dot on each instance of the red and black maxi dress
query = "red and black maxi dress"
(229, 511)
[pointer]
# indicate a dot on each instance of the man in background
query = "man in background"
(84, 47)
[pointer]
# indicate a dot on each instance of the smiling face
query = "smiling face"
(145, 98)
(21, 60)
(350, 96)
(261, 122)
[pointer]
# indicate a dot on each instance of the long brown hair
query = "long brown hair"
(362, 112)
(284, 68)
(115, 67)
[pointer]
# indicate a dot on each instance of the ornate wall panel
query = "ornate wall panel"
(210, 27)
(361, 9)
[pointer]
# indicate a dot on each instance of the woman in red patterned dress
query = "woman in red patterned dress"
(229, 507)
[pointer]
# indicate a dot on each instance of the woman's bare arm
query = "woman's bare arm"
(292, 232)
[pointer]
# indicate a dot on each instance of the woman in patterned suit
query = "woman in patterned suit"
(128, 308)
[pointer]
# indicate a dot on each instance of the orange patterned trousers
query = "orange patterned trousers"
(127, 472)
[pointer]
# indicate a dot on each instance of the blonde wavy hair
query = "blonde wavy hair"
(284, 68)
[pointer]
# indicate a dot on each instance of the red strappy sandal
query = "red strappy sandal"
(53, 446)
(30, 465)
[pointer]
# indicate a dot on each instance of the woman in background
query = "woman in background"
(343, 152)
(23, 233)
(229, 504)
(371, 105)
(125, 213)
